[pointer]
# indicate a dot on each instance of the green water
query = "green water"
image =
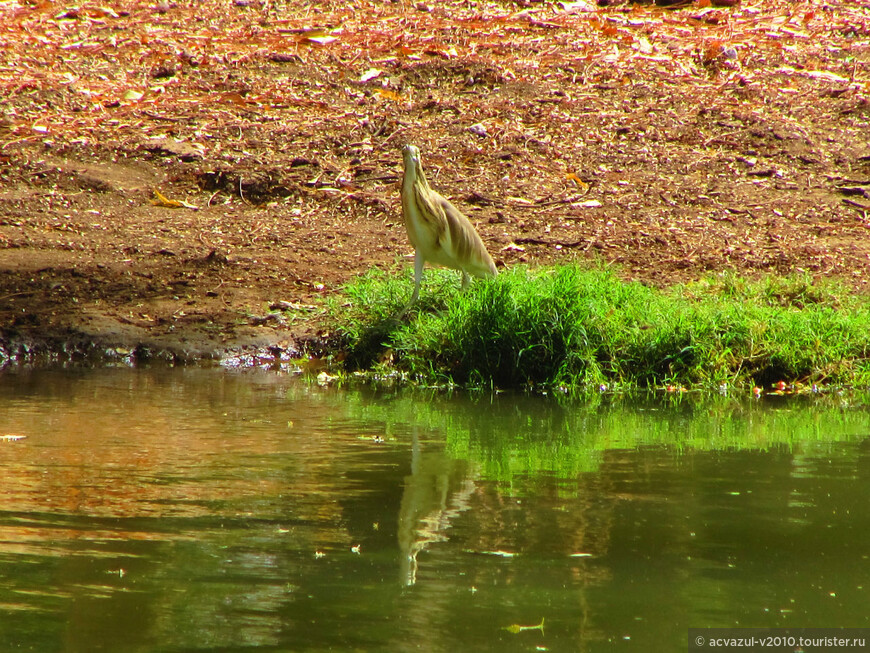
(209, 510)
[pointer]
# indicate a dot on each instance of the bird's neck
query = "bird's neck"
(415, 173)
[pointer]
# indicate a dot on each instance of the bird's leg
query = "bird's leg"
(418, 278)
(418, 274)
(465, 280)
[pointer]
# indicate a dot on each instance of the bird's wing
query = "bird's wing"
(432, 212)
(464, 243)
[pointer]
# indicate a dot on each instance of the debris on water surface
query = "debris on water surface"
(516, 628)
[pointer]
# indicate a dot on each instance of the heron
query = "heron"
(439, 232)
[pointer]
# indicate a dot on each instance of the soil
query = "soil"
(192, 179)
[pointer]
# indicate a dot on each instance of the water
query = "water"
(205, 510)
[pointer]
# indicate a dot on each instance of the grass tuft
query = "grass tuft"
(578, 328)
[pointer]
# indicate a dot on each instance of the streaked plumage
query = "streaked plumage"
(439, 232)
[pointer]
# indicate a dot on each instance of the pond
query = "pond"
(212, 510)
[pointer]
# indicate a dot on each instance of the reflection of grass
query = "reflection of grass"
(580, 328)
(515, 437)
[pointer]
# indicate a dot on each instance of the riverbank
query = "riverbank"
(570, 329)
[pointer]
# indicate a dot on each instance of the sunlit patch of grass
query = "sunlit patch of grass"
(578, 328)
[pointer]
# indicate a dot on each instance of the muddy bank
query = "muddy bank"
(76, 348)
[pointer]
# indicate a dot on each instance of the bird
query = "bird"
(439, 232)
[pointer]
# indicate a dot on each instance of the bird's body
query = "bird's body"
(439, 232)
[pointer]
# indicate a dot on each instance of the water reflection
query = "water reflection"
(205, 510)
(436, 491)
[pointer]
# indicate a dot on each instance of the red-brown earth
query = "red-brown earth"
(675, 143)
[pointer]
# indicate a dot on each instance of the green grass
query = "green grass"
(579, 328)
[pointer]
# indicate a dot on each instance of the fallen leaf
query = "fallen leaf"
(517, 628)
(479, 129)
(162, 200)
(581, 5)
(370, 74)
(235, 98)
(644, 46)
(387, 94)
(320, 40)
(823, 75)
(324, 379)
(9, 437)
(572, 176)
(826, 76)
(449, 53)
(103, 12)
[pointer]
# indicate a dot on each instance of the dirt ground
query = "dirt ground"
(674, 142)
